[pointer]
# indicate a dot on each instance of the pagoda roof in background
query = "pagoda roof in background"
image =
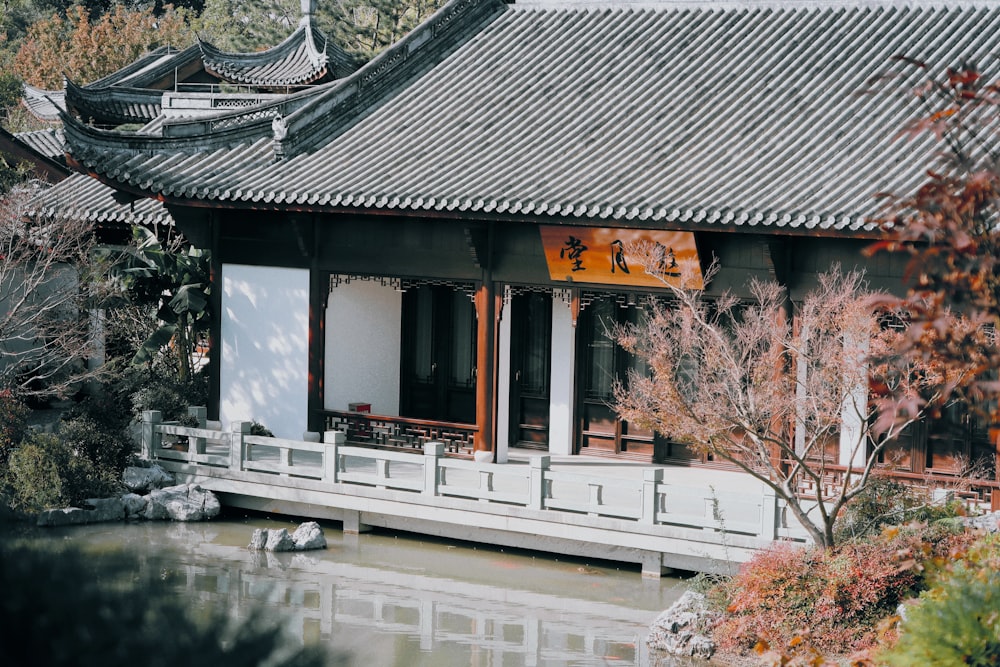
(716, 116)
(133, 94)
(43, 149)
(44, 104)
(305, 57)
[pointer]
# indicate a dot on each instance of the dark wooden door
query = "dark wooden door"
(530, 368)
(600, 362)
(438, 375)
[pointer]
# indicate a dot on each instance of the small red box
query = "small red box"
(365, 408)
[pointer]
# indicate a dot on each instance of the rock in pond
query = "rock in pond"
(307, 536)
(184, 502)
(684, 628)
(142, 480)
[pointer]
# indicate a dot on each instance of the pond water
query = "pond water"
(399, 599)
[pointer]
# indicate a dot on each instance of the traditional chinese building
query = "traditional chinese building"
(433, 246)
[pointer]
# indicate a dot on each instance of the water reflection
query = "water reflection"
(405, 601)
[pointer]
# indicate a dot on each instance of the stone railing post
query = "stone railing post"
(151, 436)
(651, 479)
(538, 485)
(237, 447)
(769, 517)
(433, 451)
(197, 445)
(331, 462)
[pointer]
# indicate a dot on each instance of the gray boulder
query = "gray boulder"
(142, 480)
(989, 523)
(307, 536)
(68, 516)
(105, 509)
(94, 510)
(258, 540)
(279, 540)
(134, 504)
(184, 502)
(684, 629)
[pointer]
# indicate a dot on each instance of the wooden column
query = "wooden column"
(486, 347)
(487, 330)
(319, 287)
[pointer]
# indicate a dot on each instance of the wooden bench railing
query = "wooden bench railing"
(400, 432)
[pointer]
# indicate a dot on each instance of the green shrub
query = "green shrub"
(106, 448)
(256, 428)
(957, 621)
(888, 502)
(170, 396)
(13, 425)
(837, 597)
(45, 472)
(79, 462)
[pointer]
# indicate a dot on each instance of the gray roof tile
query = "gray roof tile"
(677, 113)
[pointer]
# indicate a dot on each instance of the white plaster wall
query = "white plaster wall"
(363, 325)
(264, 370)
(563, 363)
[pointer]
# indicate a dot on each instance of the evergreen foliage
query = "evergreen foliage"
(955, 623)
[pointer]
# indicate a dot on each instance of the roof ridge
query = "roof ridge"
(454, 23)
(729, 5)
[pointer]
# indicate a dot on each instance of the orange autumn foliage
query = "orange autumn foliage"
(85, 50)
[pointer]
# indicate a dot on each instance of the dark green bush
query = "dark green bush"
(956, 623)
(104, 446)
(13, 425)
(63, 609)
(45, 472)
(256, 428)
(170, 396)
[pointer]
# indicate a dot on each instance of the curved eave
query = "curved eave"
(85, 141)
(86, 199)
(151, 69)
(44, 104)
(45, 165)
(303, 58)
(114, 105)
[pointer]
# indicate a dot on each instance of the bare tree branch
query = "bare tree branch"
(46, 291)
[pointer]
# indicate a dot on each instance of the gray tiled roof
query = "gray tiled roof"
(305, 57)
(46, 142)
(83, 198)
(114, 104)
(654, 114)
(44, 104)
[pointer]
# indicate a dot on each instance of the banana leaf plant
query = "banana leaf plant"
(175, 281)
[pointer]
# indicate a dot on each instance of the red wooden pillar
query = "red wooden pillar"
(486, 356)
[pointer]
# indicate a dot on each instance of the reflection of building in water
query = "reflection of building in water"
(353, 607)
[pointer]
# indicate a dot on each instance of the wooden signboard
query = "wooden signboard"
(601, 255)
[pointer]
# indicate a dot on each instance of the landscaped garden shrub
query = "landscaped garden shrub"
(889, 502)
(956, 622)
(106, 447)
(13, 425)
(168, 394)
(836, 596)
(45, 472)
